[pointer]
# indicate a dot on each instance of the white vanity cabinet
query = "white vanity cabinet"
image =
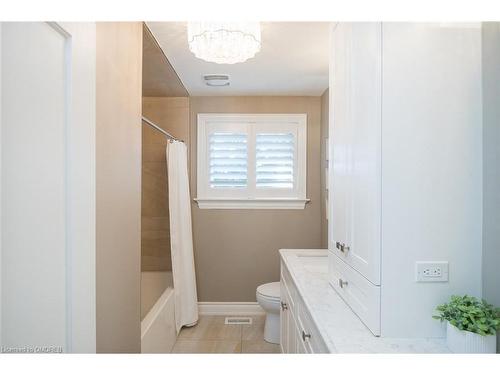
(298, 332)
(404, 169)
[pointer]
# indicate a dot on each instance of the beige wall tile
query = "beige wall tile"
(171, 114)
(151, 263)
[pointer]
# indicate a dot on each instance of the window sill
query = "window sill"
(252, 204)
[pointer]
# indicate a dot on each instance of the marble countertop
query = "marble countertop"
(340, 327)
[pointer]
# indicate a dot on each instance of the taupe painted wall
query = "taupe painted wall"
(118, 186)
(325, 115)
(172, 115)
(237, 250)
(491, 162)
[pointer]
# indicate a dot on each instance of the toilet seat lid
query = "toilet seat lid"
(271, 290)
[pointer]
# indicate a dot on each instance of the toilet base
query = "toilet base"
(272, 328)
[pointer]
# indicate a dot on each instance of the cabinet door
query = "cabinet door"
(291, 333)
(300, 345)
(303, 344)
(284, 317)
(360, 294)
(339, 139)
(356, 143)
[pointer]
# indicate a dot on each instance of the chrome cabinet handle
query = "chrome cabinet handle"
(305, 336)
(342, 283)
(283, 306)
(342, 247)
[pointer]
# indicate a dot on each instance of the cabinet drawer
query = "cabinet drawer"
(308, 336)
(360, 294)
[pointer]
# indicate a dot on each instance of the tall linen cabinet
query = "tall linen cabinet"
(405, 169)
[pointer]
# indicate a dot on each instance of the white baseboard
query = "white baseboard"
(230, 308)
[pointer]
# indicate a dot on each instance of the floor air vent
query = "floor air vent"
(238, 320)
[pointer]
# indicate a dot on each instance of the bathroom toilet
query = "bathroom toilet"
(268, 297)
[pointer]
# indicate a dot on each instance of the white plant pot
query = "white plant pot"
(468, 342)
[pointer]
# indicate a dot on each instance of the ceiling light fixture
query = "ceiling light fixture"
(224, 42)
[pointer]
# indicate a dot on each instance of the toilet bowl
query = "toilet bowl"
(268, 297)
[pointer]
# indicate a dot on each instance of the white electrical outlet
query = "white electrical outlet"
(429, 272)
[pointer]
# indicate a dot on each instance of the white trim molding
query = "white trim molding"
(230, 308)
(256, 204)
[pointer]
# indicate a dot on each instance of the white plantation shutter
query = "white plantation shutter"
(228, 158)
(251, 161)
(274, 160)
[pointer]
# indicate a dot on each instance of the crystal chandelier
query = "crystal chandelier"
(224, 42)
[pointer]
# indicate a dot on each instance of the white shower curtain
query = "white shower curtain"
(181, 236)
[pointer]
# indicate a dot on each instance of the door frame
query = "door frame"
(81, 192)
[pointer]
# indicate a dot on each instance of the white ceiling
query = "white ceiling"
(293, 60)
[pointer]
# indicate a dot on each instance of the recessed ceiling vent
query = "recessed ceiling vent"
(216, 80)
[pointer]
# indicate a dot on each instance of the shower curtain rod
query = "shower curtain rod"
(152, 124)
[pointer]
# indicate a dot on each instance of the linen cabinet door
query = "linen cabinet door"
(338, 138)
(361, 127)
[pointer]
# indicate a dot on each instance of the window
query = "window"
(228, 160)
(252, 161)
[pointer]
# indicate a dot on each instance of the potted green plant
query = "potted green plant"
(472, 324)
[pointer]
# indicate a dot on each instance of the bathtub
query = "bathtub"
(158, 332)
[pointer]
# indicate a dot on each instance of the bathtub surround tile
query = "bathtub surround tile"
(155, 152)
(156, 263)
(154, 189)
(155, 228)
(154, 223)
(153, 284)
(153, 241)
(152, 136)
(212, 335)
(155, 244)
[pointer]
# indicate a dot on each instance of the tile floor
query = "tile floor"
(211, 335)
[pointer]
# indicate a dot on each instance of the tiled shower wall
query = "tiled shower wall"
(171, 114)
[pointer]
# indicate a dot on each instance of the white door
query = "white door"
(48, 186)
(339, 139)
(356, 137)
